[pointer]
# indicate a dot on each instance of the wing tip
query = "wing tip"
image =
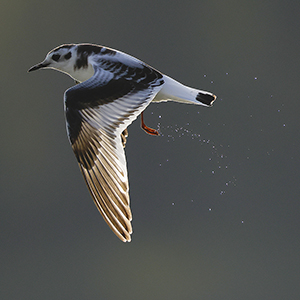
(124, 236)
(126, 240)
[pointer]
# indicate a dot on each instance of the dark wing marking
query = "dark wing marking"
(97, 112)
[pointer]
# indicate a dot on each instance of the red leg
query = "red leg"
(149, 130)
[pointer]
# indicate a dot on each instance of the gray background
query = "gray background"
(215, 199)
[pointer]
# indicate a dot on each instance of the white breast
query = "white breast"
(81, 74)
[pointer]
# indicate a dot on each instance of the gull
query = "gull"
(112, 89)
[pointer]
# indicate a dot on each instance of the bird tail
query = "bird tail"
(172, 90)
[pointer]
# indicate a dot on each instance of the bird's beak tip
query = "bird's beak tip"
(30, 70)
(38, 66)
(34, 68)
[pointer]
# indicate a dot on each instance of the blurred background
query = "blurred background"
(215, 198)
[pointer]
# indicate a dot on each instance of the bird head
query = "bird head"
(61, 58)
(66, 59)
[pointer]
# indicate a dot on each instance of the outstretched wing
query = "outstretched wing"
(97, 112)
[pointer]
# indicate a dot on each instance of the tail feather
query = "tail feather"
(206, 98)
(172, 90)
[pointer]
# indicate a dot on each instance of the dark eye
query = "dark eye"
(55, 57)
(68, 55)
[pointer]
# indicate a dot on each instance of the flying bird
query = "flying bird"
(112, 89)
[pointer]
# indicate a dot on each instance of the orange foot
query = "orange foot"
(146, 128)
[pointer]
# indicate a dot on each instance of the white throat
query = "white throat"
(81, 74)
